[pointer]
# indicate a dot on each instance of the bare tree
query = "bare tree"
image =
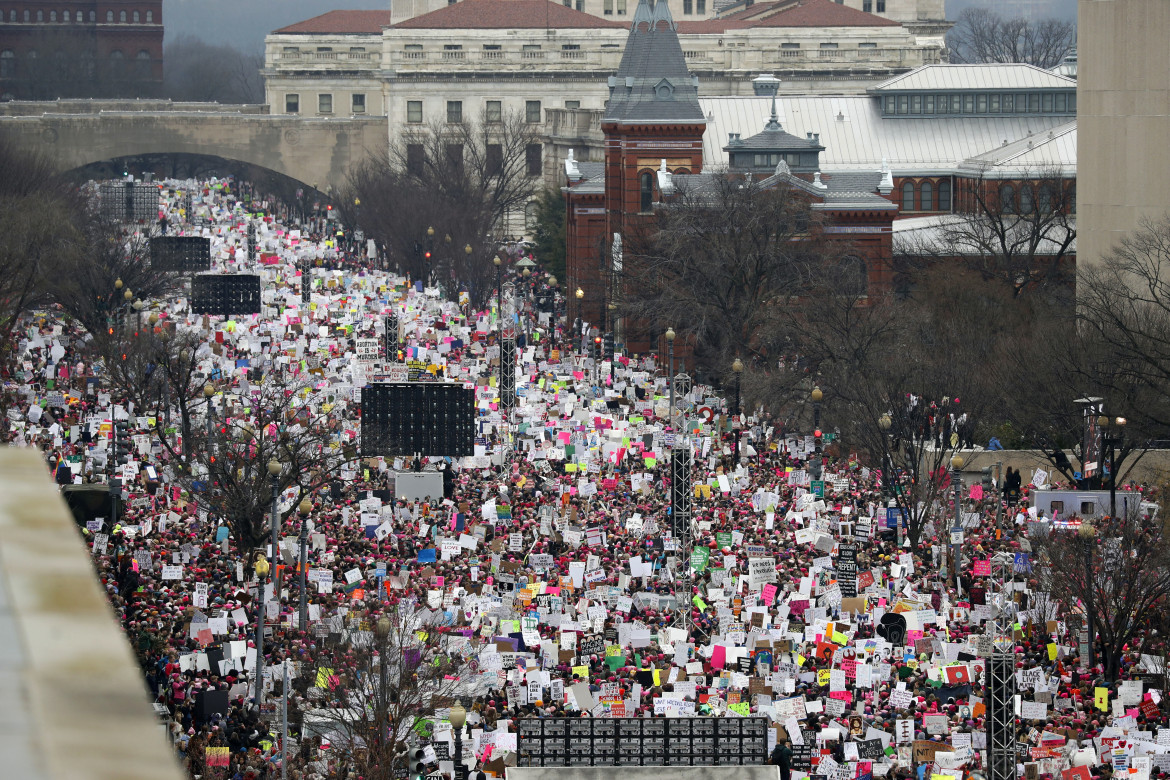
(1021, 233)
(982, 35)
(444, 187)
(224, 462)
(719, 260)
(1124, 301)
(200, 71)
(1119, 574)
(401, 666)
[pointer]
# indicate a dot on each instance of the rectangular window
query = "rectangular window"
(570, 47)
(454, 112)
(828, 45)
(532, 159)
(292, 104)
(916, 104)
(454, 154)
(889, 107)
(941, 104)
(325, 103)
(867, 6)
(621, 7)
(1061, 102)
(413, 47)
(790, 46)
(415, 159)
(1033, 104)
(359, 104)
(493, 111)
(688, 7)
(701, 7)
(956, 104)
(414, 113)
(881, 6)
(968, 104)
(903, 104)
(867, 45)
(1008, 101)
(573, 104)
(1047, 103)
(491, 47)
(993, 106)
(581, 6)
(532, 114)
(607, 7)
(452, 47)
(981, 104)
(290, 52)
(1072, 102)
(530, 47)
(928, 104)
(494, 159)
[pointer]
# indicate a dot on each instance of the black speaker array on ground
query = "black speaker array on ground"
(642, 742)
(181, 254)
(404, 418)
(225, 294)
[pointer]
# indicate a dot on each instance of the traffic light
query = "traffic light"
(418, 766)
(597, 347)
(121, 444)
(607, 346)
(986, 480)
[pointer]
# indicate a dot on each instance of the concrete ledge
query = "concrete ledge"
(73, 702)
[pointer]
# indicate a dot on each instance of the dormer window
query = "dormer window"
(664, 90)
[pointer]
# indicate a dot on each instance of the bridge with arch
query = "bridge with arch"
(318, 152)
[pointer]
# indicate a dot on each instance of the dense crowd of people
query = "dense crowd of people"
(549, 579)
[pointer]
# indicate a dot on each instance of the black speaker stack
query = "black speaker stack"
(404, 418)
(225, 294)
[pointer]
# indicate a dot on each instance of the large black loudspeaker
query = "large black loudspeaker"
(416, 417)
(132, 201)
(182, 254)
(225, 294)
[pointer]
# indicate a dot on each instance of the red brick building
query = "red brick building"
(654, 127)
(80, 48)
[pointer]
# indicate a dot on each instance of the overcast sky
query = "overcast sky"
(244, 23)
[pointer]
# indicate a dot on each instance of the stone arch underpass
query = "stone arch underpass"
(315, 152)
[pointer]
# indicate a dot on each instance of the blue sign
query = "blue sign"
(892, 515)
(1021, 563)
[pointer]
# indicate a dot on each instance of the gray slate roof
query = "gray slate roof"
(652, 83)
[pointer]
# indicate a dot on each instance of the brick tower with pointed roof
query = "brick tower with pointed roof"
(652, 114)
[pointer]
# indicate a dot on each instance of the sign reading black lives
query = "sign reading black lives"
(549, 742)
(407, 418)
(181, 254)
(225, 294)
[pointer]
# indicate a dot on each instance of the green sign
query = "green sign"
(699, 558)
(818, 488)
(723, 539)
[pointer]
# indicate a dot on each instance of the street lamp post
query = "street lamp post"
(303, 510)
(580, 296)
(458, 716)
(1088, 536)
(670, 362)
(816, 397)
(499, 264)
(1112, 440)
(957, 530)
(737, 369)
(274, 469)
(209, 393)
(262, 568)
(885, 423)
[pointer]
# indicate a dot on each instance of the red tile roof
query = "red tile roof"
(506, 14)
(341, 22)
(786, 13)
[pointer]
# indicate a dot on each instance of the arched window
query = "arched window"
(1046, 200)
(109, 16)
(26, 14)
(52, 16)
(12, 16)
(1026, 197)
(65, 16)
(150, 17)
(142, 65)
(1007, 199)
(646, 199)
(122, 17)
(853, 277)
(926, 196)
(40, 16)
(117, 64)
(136, 18)
(7, 64)
(944, 195)
(908, 196)
(92, 16)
